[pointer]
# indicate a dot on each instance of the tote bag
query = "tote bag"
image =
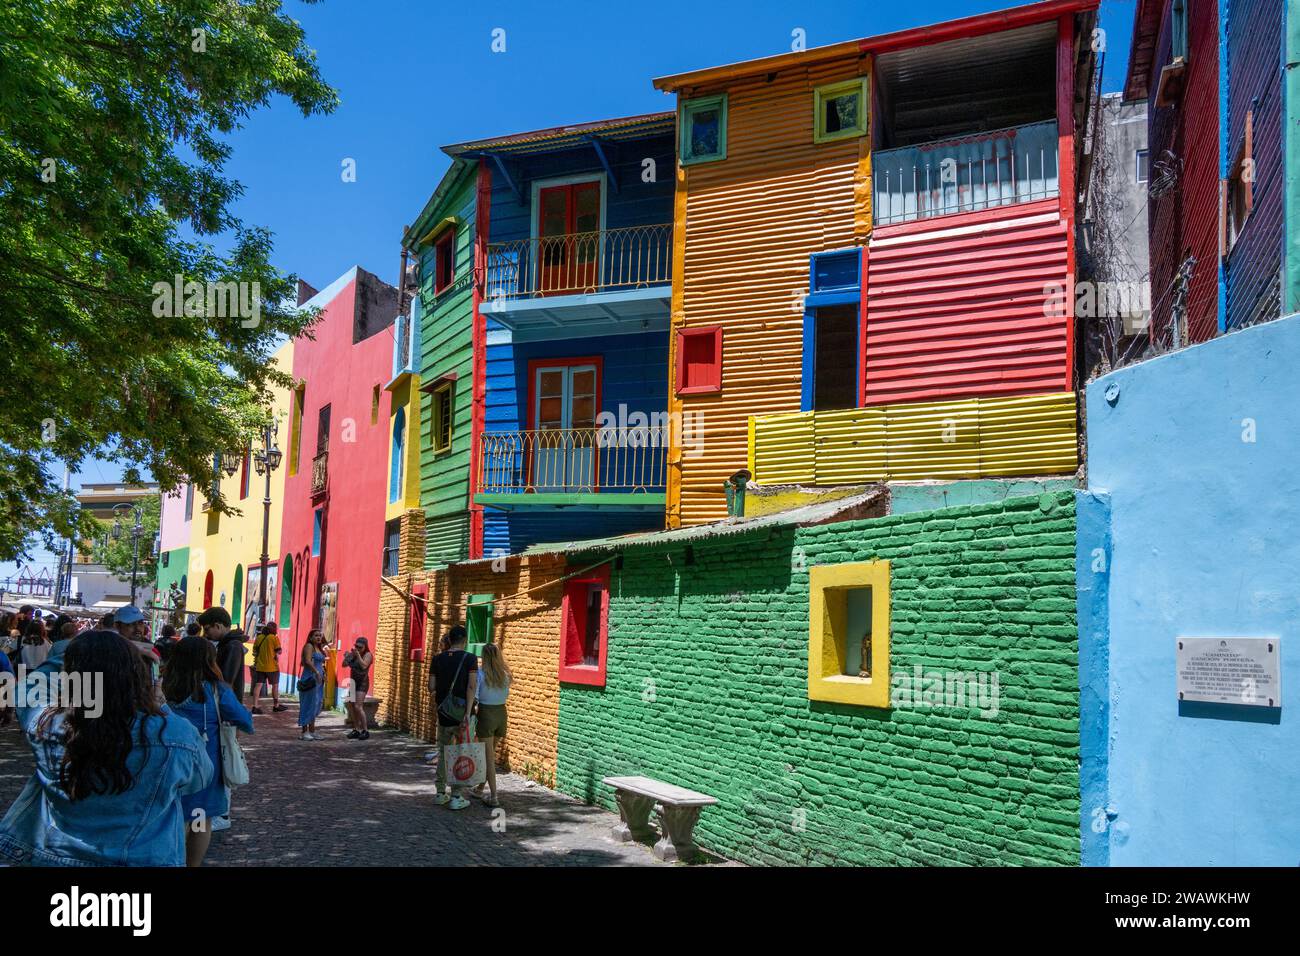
(234, 767)
(466, 763)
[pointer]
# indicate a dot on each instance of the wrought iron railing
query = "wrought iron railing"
(999, 168)
(575, 460)
(582, 262)
(320, 473)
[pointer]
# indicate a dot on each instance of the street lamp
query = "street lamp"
(137, 528)
(266, 460)
(231, 462)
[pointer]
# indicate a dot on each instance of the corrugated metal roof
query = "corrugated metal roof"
(914, 37)
(822, 512)
(568, 137)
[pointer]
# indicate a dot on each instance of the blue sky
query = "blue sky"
(415, 75)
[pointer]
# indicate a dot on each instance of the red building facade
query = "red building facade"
(337, 461)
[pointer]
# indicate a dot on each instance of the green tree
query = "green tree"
(113, 124)
(116, 553)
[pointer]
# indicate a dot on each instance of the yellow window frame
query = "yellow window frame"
(827, 637)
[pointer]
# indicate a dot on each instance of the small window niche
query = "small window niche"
(848, 633)
(584, 637)
(840, 111)
(703, 130)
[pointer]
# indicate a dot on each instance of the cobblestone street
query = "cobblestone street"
(342, 802)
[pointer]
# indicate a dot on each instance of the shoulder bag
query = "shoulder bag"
(234, 767)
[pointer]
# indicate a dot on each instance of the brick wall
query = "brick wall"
(526, 625)
(707, 688)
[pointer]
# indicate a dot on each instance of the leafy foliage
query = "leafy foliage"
(118, 553)
(113, 119)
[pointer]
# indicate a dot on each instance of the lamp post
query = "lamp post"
(137, 528)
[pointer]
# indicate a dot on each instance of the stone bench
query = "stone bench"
(371, 707)
(678, 810)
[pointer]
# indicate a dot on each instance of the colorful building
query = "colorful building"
(873, 254)
(569, 423)
(445, 327)
(174, 547)
(225, 550)
(343, 442)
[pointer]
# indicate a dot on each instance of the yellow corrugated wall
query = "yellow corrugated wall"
(745, 228)
(970, 438)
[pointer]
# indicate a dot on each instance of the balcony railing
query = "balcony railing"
(984, 171)
(575, 460)
(320, 473)
(583, 262)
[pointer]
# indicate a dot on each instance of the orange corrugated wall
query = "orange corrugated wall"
(972, 310)
(745, 228)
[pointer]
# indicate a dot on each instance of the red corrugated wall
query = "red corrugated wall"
(1185, 220)
(963, 309)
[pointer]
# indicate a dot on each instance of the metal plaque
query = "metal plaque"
(1230, 670)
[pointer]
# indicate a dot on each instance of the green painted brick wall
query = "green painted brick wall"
(707, 688)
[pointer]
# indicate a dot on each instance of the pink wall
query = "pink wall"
(343, 375)
(175, 530)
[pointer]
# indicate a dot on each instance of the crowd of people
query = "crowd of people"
(140, 775)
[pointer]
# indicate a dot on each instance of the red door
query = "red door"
(568, 233)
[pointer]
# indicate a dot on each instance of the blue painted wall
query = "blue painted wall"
(1203, 542)
(635, 371)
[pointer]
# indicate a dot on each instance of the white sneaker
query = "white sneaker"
(458, 803)
(220, 823)
(442, 799)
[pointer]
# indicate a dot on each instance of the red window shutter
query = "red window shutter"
(575, 622)
(699, 360)
(419, 620)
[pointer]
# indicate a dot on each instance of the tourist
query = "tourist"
(36, 646)
(452, 681)
(493, 689)
(266, 666)
(99, 777)
(192, 629)
(194, 689)
(11, 638)
(215, 622)
(358, 662)
(311, 684)
(167, 640)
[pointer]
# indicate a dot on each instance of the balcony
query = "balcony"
(587, 468)
(981, 171)
(580, 284)
(320, 474)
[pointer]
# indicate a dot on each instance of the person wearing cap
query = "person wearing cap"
(266, 666)
(130, 623)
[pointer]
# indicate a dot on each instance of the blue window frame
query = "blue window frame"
(318, 523)
(396, 467)
(835, 284)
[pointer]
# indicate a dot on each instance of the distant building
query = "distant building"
(93, 585)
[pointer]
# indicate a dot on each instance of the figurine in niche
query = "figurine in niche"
(864, 668)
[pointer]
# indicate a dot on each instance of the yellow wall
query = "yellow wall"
(403, 388)
(220, 543)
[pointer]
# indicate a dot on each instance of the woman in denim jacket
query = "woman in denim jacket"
(194, 690)
(111, 768)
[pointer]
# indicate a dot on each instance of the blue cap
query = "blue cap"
(128, 614)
